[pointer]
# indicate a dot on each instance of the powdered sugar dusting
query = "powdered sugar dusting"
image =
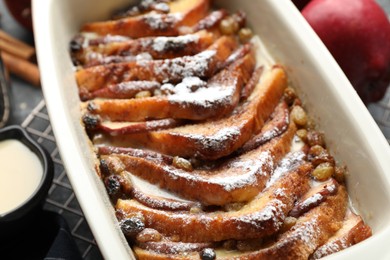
(272, 213)
(312, 200)
(188, 66)
(288, 163)
(175, 247)
(329, 248)
(218, 140)
(250, 168)
(161, 44)
(96, 58)
(193, 90)
(306, 232)
(158, 21)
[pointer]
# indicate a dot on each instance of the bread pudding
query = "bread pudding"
(204, 147)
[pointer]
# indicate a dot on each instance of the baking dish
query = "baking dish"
(352, 134)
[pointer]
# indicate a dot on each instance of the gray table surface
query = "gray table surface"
(23, 96)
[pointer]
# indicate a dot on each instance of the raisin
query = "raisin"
(149, 235)
(299, 116)
(75, 44)
(182, 163)
(113, 185)
(302, 134)
(289, 95)
(143, 94)
(315, 138)
(91, 122)
(104, 169)
(132, 226)
(208, 254)
(245, 34)
(323, 171)
(228, 26)
(339, 173)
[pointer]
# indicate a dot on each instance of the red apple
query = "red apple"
(21, 11)
(357, 33)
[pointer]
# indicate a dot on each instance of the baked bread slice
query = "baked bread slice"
(215, 139)
(192, 99)
(182, 13)
(299, 241)
(203, 65)
(91, 52)
(235, 180)
(353, 231)
(259, 218)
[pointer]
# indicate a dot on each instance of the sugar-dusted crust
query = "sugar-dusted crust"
(183, 13)
(311, 230)
(214, 139)
(215, 98)
(261, 217)
(353, 231)
(203, 64)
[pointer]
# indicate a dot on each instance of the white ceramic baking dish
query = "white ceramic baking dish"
(351, 133)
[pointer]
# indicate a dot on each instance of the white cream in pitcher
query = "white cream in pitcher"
(20, 174)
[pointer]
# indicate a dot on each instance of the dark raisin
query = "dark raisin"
(132, 226)
(113, 185)
(208, 254)
(104, 169)
(91, 122)
(75, 45)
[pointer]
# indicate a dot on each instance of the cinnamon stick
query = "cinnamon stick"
(22, 68)
(16, 47)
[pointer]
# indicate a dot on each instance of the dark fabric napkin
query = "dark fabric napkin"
(48, 237)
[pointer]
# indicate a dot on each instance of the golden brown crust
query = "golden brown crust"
(353, 231)
(236, 180)
(277, 124)
(182, 13)
(134, 127)
(311, 230)
(216, 98)
(261, 217)
(213, 140)
(157, 47)
(203, 65)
